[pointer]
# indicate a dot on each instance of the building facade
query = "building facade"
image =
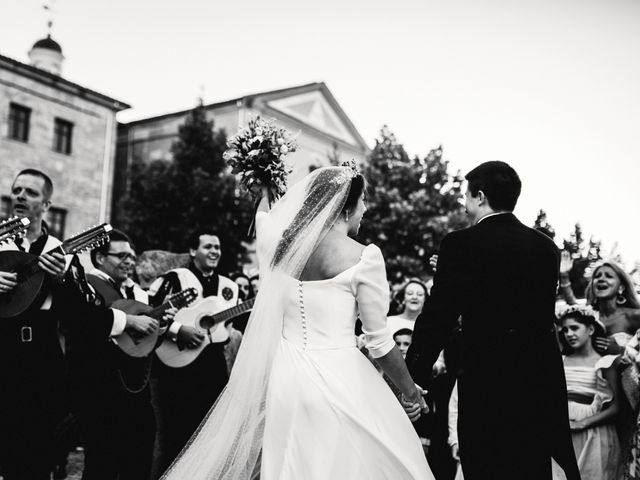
(61, 128)
(323, 131)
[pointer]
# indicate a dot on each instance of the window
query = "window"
(19, 122)
(62, 136)
(56, 218)
(5, 207)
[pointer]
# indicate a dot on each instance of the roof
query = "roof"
(248, 100)
(48, 43)
(61, 84)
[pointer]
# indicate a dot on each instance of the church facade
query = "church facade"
(323, 131)
(61, 128)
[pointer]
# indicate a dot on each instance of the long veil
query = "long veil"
(228, 442)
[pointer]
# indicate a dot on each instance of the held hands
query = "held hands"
(54, 264)
(189, 337)
(8, 281)
(415, 405)
(141, 325)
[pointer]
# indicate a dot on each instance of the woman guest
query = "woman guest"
(611, 292)
(593, 392)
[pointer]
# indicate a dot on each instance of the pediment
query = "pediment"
(313, 108)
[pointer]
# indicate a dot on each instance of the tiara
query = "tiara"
(352, 165)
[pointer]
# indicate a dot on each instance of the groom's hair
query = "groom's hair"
(499, 182)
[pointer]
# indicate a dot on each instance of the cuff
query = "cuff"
(119, 322)
(380, 342)
(174, 328)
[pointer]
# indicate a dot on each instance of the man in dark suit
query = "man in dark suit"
(501, 277)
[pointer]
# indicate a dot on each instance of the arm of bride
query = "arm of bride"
(394, 366)
(369, 283)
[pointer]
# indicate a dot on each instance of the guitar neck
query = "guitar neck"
(160, 310)
(233, 311)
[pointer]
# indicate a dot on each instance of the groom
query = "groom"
(501, 277)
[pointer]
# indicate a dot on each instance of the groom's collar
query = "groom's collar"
(495, 214)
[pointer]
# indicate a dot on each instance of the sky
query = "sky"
(550, 86)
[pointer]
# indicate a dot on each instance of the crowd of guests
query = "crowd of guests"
(599, 337)
(67, 383)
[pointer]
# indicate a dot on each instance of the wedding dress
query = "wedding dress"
(329, 414)
(302, 402)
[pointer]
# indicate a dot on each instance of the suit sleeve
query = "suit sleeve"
(440, 314)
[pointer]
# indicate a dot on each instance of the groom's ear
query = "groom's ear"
(482, 198)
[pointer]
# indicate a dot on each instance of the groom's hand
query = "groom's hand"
(415, 407)
(412, 409)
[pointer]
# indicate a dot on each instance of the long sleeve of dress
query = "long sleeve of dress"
(369, 283)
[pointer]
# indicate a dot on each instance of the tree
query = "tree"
(542, 224)
(412, 203)
(584, 256)
(168, 201)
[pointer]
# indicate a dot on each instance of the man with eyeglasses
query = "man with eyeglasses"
(117, 416)
(34, 404)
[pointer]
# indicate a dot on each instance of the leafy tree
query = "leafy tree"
(543, 225)
(412, 203)
(169, 201)
(584, 255)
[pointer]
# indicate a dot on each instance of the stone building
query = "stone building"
(66, 130)
(309, 111)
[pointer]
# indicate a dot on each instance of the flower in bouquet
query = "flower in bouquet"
(256, 154)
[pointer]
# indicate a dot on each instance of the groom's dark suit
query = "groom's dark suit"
(501, 277)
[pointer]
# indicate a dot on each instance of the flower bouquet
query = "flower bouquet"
(256, 154)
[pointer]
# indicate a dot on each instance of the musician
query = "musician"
(117, 418)
(34, 401)
(186, 394)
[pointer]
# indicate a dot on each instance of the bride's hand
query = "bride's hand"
(415, 405)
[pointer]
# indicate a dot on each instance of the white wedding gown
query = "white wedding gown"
(329, 414)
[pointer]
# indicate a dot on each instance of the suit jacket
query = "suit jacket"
(501, 278)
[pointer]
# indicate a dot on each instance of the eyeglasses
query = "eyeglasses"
(122, 256)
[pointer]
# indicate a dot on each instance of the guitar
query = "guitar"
(31, 276)
(141, 346)
(206, 316)
(12, 228)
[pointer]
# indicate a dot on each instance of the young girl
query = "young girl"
(592, 387)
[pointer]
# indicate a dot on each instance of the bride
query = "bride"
(302, 401)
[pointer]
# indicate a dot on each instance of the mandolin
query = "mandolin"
(208, 317)
(31, 276)
(13, 228)
(141, 346)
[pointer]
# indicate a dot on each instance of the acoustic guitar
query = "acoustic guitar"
(31, 276)
(208, 317)
(13, 228)
(141, 346)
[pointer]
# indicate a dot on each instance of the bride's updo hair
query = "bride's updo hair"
(319, 193)
(358, 185)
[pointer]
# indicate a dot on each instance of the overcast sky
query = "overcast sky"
(550, 86)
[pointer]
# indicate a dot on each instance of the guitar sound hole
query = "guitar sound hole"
(206, 322)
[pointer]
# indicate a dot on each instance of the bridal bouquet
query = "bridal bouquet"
(257, 154)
